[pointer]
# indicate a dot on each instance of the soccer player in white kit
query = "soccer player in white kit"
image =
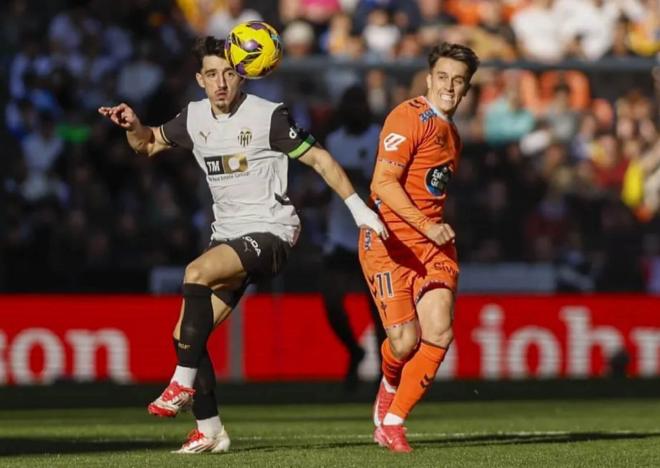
(243, 144)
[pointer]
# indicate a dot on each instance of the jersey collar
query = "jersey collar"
(437, 111)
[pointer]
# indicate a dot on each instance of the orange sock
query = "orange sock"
(391, 366)
(416, 377)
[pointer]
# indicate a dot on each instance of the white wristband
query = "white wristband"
(355, 204)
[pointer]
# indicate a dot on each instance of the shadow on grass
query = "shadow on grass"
(476, 440)
(302, 446)
(34, 446)
(538, 438)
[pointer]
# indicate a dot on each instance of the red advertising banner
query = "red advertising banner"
(86, 338)
(44, 339)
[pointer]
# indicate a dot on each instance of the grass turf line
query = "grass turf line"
(522, 433)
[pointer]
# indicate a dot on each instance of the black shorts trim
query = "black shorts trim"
(262, 254)
(232, 296)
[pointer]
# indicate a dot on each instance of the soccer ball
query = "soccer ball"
(253, 49)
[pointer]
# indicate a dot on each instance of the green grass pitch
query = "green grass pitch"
(597, 433)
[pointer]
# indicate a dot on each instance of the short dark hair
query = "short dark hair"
(457, 52)
(208, 45)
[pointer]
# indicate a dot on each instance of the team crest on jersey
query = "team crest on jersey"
(245, 137)
(227, 164)
(437, 179)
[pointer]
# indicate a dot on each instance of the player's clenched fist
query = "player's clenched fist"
(121, 115)
(440, 233)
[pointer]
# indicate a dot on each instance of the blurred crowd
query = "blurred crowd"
(560, 165)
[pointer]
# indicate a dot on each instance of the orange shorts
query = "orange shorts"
(398, 275)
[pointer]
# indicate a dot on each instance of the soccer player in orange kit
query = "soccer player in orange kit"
(413, 274)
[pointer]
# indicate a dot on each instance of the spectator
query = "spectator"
(643, 36)
(223, 19)
(43, 147)
(587, 28)
(139, 79)
(380, 35)
(21, 118)
(620, 46)
(298, 38)
(505, 119)
(335, 40)
(22, 66)
(434, 20)
(563, 121)
(537, 29)
(69, 28)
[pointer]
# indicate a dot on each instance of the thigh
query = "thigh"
(440, 271)
(219, 267)
(435, 312)
(390, 285)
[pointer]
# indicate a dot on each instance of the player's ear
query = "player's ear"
(428, 81)
(466, 89)
(200, 80)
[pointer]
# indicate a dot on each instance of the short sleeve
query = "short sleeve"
(285, 135)
(398, 137)
(175, 131)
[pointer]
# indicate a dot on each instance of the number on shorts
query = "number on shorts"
(384, 284)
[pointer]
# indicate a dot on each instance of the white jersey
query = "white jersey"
(245, 157)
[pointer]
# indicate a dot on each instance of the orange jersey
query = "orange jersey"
(426, 144)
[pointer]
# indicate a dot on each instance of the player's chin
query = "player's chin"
(221, 102)
(448, 108)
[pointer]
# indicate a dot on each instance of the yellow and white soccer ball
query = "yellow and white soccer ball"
(253, 49)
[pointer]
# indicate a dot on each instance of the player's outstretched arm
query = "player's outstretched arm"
(335, 176)
(387, 186)
(143, 139)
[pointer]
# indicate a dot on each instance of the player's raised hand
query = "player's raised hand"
(121, 115)
(440, 233)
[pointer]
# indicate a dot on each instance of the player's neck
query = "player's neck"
(445, 115)
(229, 110)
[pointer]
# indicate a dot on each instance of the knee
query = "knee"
(194, 273)
(440, 336)
(403, 345)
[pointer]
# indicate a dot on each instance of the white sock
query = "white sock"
(389, 388)
(184, 376)
(210, 427)
(392, 420)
